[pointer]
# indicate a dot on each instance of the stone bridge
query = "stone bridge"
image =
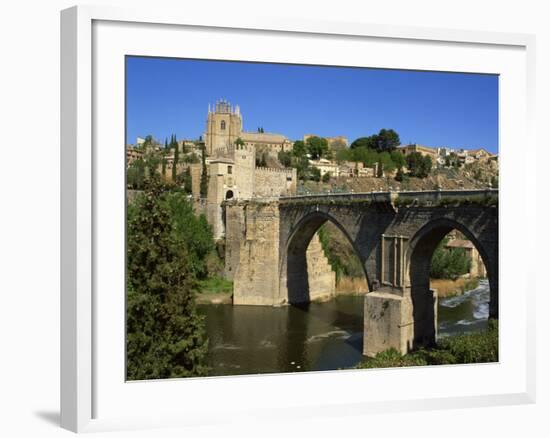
(394, 235)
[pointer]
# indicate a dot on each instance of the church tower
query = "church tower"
(223, 126)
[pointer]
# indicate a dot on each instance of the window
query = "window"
(229, 170)
(223, 124)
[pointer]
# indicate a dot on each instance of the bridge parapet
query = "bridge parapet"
(405, 197)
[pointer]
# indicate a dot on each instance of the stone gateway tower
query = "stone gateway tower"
(223, 126)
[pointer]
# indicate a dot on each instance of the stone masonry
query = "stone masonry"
(394, 236)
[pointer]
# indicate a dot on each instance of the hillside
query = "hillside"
(471, 176)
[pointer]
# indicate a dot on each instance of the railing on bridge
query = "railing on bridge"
(417, 197)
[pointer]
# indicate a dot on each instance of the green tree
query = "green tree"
(387, 162)
(148, 141)
(187, 181)
(239, 142)
(302, 167)
(364, 142)
(299, 148)
(344, 155)
(174, 145)
(152, 163)
(191, 229)
(387, 140)
(326, 177)
(418, 165)
(135, 175)
(315, 174)
(165, 335)
(449, 263)
(204, 174)
(398, 159)
(400, 175)
(285, 158)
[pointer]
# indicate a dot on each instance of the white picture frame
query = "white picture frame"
(89, 399)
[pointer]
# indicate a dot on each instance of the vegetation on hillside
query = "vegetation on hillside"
(339, 252)
(385, 141)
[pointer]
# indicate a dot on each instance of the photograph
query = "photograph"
(288, 218)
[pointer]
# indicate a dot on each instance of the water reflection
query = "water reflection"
(314, 337)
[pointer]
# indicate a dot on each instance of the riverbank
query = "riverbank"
(477, 347)
(215, 290)
(450, 288)
(352, 286)
(219, 291)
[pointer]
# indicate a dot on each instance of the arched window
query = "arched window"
(223, 124)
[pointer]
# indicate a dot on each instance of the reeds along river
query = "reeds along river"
(319, 336)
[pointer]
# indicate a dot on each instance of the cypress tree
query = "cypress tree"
(165, 335)
(204, 176)
(176, 160)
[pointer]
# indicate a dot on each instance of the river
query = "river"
(316, 337)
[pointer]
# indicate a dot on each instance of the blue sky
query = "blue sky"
(166, 96)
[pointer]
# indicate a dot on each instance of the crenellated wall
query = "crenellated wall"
(271, 182)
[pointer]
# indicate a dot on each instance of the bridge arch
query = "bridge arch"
(418, 260)
(293, 266)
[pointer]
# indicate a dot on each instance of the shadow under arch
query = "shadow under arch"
(293, 267)
(417, 274)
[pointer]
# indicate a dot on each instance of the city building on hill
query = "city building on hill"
(231, 164)
(132, 154)
(480, 154)
(224, 125)
(325, 166)
(423, 150)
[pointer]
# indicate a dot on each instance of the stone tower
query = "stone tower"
(223, 126)
(245, 166)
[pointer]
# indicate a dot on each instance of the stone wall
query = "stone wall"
(321, 277)
(270, 182)
(196, 172)
(256, 277)
(252, 257)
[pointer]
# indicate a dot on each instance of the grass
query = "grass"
(477, 347)
(216, 285)
(471, 283)
(450, 288)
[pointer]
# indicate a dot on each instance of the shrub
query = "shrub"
(478, 347)
(449, 262)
